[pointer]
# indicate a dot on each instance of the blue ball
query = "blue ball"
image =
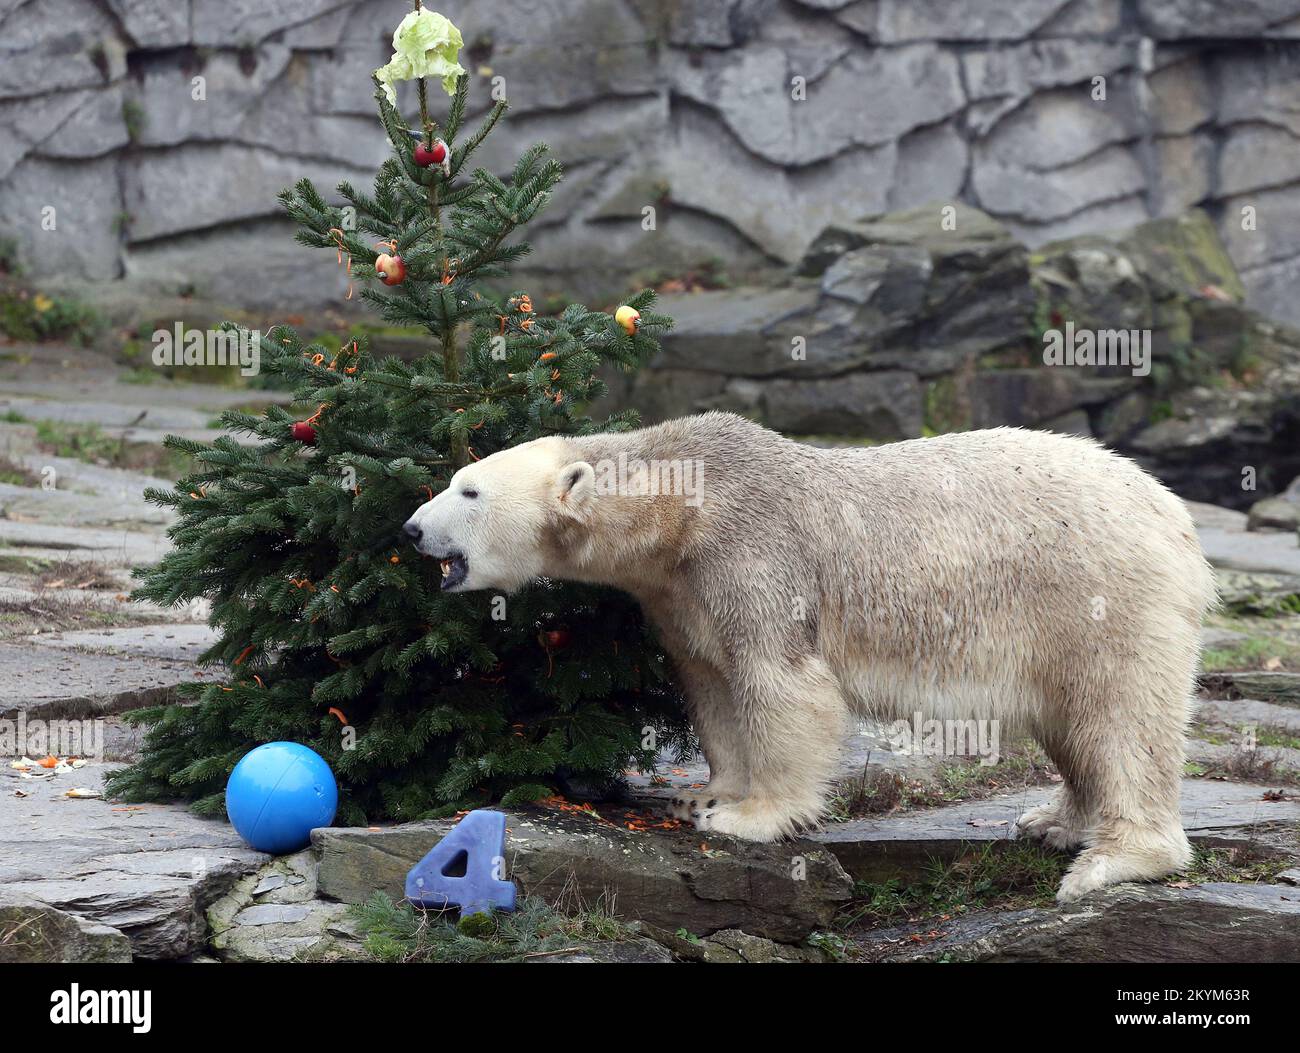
(278, 794)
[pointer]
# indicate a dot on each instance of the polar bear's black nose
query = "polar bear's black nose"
(412, 530)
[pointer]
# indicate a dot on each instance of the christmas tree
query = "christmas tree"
(332, 632)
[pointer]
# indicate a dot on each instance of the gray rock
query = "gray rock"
(885, 405)
(1258, 85)
(47, 50)
(902, 20)
(751, 90)
(668, 879)
(906, 845)
(1256, 157)
(1281, 512)
(58, 683)
(1279, 687)
(34, 932)
(1245, 592)
(1235, 923)
(1058, 128)
(1020, 397)
(154, 23)
(108, 414)
(1179, 19)
(1046, 197)
(150, 180)
(1247, 711)
(1075, 422)
(149, 871)
(1129, 923)
(231, 97)
(727, 947)
(45, 540)
(182, 642)
(745, 331)
(246, 22)
(86, 200)
(1257, 553)
(1209, 515)
(96, 127)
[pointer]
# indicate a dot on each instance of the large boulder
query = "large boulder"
(877, 310)
(1221, 922)
(671, 880)
(937, 319)
(1278, 513)
(32, 931)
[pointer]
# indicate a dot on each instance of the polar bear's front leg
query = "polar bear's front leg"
(716, 721)
(793, 715)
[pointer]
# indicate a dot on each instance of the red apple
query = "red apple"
(392, 271)
(424, 156)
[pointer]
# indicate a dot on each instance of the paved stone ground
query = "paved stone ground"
(167, 884)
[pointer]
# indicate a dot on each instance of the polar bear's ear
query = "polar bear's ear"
(575, 487)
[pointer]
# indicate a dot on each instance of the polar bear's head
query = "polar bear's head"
(494, 526)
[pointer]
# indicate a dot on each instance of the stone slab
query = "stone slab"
(1218, 922)
(35, 932)
(909, 843)
(1246, 711)
(116, 546)
(1260, 553)
(56, 682)
(149, 871)
(180, 642)
(1279, 687)
(672, 879)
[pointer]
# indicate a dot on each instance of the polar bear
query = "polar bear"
(1034, 579)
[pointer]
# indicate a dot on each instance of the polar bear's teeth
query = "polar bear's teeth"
(446, 567)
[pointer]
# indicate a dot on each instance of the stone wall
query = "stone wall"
(684, 105)
(895, 327)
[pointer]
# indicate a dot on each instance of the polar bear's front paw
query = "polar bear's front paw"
(753, 818)
(692, 807)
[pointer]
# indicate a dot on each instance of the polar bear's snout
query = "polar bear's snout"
(429, 541)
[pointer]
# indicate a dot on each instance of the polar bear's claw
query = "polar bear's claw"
(750, 818)
(1050, 824)
(693, 807)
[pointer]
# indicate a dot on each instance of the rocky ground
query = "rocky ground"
(920, 860)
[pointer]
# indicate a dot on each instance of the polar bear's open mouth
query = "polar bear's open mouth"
(455, 569)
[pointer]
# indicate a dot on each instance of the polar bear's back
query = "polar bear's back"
(997, 534)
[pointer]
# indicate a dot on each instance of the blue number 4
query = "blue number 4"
(466, 868)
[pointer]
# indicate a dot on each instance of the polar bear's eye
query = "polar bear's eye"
(471, 494)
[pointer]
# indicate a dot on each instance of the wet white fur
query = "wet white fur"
(1036, 579)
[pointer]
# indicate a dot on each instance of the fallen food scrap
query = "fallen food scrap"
(559, 804)
(647, 820)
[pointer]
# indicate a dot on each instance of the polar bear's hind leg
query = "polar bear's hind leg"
(1125, 774)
